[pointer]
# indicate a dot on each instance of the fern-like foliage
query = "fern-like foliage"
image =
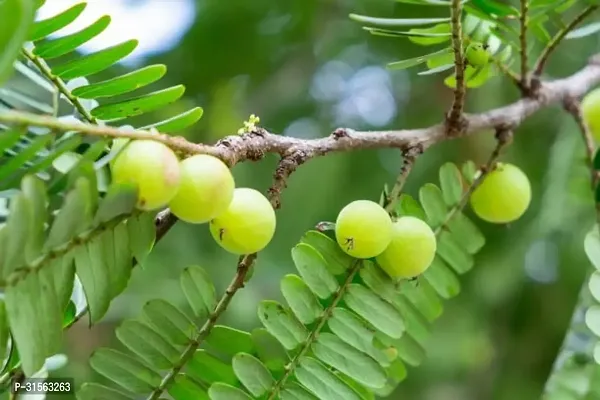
(347, 331)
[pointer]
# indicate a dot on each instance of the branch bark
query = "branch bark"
(455, 116)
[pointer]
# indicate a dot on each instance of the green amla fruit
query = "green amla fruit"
(411, 250)
(477, 54)
(153, 168)
(590, 112)
(503, 196)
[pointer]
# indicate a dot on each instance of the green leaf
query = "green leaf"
(471, 238)
(209, 369)
(185, 388)
(591, 245)
(362, 391)
(294, 391)
(584, 31)
(413, 33)
(337, 261)
(74, 216)
(423, 40)
(20, 226)
(592, 319)
(407, 205)
(356, 332)
(138, 105)
(436, 70)
(301, 300)
(167, 320)
(451, 183)
(320, 381)
(397, 22)
(269, 350)
(410, 351)
(62, 271)
(16, 18)
(451, 252)
(594, 285)
(313, 268)
(230, 341)
(94, 391)
(142, 235)
(90, 265)
(222, 391)
(9, 138)
(4, 330)
(423, 297)
(94, 62)
(48, 26)
(411, 62)
(284, 327)
(333, 351)
(199, 291)
(443, 281)
(178, 122)
(49, 49)
(496, 8)
(122, 84)
(119, 200)
(373, 309)
(432, 199)
(147, 344)
(23, 156)
(115, 246)
(252, 373)
(124, 370)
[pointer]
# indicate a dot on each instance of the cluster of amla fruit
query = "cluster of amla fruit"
(198, 189)
(406, 247)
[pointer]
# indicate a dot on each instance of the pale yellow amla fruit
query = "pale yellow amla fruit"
(503, 196)
(205, 189)
(153, 168)
(411, 250)
(590, 112)
(247, 225)
(363, 229)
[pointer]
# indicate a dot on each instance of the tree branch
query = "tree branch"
(524, 20)
(455, 121)
(254, 145)
(560, 35)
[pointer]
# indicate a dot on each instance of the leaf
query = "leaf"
(49, 49)
(120, 199)
(373, 309)
(320, 381)
(94, 62)
(46, 27)
(411, 62)
(337, 261)
(16, 18)
(62, 271)
(436, 70)
(19, 228)
(471, 238)
(428, 41)
(209, 369)
(167, 320)
(269, 350)
(285, 328)
(73, 218)
(301, 300)
(294, 391)
(443, 281)
(496, 8)
(122, 84)
(339, 355)
(94, 391)
(115, 246)
(147, 344)
(592, 319)
(4, 330)
(594, 285)
(138, 105)
(124, 370)
(142, 235)
(23, 156)
(591, 245)
(252, 374)
(222, 391)
(313, 269)
(410, 34)
(432, 200)
(396, 22)
(451, 252)
(199, 291)
(451, 183)
(230, 341)
(178, 122)
(584, 31)
(423, 297)
(185, 388)
(356, 332)
(407, 205)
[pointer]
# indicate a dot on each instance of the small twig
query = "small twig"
(524, 20)
(337, 297)
(506, 71)
(454, 119)
(236, 284)
(504, 138)
(560, 35)
(408, 160)
(287, 165)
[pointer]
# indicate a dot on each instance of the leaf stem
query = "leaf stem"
(408, 161)
(560, 35)
(337, 297)
(524, 21)
(455, 115)
(237, 283)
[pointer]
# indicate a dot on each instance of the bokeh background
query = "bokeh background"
(305, 69)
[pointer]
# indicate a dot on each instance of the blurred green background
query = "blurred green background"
(305, 69)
